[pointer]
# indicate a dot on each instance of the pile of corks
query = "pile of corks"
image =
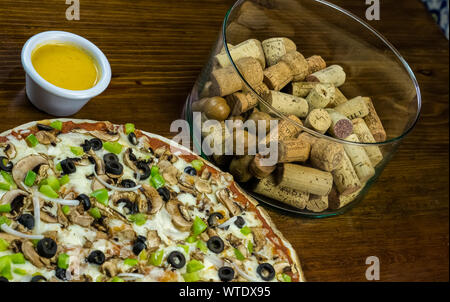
(312, 173)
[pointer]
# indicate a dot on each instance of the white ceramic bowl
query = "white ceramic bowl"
(50, 98)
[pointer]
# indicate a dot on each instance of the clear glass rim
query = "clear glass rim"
(312, 132)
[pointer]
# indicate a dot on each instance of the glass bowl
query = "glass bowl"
(373, 68)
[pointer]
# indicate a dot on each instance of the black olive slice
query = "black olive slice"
(144, 170)
(131, 206)
(176, 259)
(266, 271)
(5, 164)
(86, 146)
(38, 278)
(44, 127)
(239, 222)
(96, 144)
(132, 138)
(127, 183)
(68, 166)
(138, 246)
(96, 257)
(164, 193)
(61, 274)
(46, 248)
(215, 244)
(27, 220)
(212, 219)
(3, 279)
(141, 238)
(226, 273)
(110, 157)
(113, 167)
(85, 201)
(190, 170)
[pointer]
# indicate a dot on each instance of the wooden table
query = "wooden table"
(156, 50)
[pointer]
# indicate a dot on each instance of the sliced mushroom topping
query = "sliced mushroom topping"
(160, 151)
(81, 161)
(109, 135)
(187, 183)
(46, 138)
(152, 202)
(24, 165)
(17, 200)
(109, 268)
(62, 219)
(42, 173)
(84, 220)
(224, 196)
(234, 241)
(123, 232)
(153, 241)
(129, 159)
(282, 267)
(48, 217)
(181, 218)
(9, 149)
(203, 186)
(31, 255)
(259, 237)
(99, 164)
(110, 212)
(206, 175)
(8, 237)
(97, 185)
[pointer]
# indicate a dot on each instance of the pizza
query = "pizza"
(93, 201)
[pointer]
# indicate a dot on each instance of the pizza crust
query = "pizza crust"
(293, 255)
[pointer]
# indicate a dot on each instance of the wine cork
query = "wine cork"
(326, 155)
(240, 103)
(286, 104)
(216, 108)
(293, 150)
(225, 81)
(337, 201)
(249, 48)
(315, 63)
(285, 130)
(267, 187)
(364, 135)
(244, 142)
(301, 89)
(339, 98)
(360, 159)
(261, 89)
(197, 106)
(320, 96)
(373, 122)
(345, 177)
(252, 16)
(237, 32)
(277, 76)
(341, 126)
(354, 108)
(258, 117)
(333, 74)
(259, 170)
(239, 168)
(304, 179)
(318, 120)
(215, 137)
(275, 48)
(317, 203)
(297, 63)
(206, 90)
(306, 137)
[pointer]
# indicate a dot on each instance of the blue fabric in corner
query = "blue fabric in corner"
(439, 10)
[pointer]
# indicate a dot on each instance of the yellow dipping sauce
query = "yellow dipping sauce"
(66, 66)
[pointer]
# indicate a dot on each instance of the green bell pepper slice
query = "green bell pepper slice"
(101, 195)
(156, 258)
(9, 179)
(129, 127)
(131, 262)
(191, 277)
(198, 226)
(194, 266)
(138, 219)
(113, 147)
(65, 179)
(3, 245)
(56, 125)
(30, 178)
(48, 191)
(63, 261)
(197, 164)
(78, 151)
(5, 208)
(32, 140)
(246, 230)
(95, 212)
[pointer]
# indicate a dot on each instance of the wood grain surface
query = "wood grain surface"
(157, 48)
